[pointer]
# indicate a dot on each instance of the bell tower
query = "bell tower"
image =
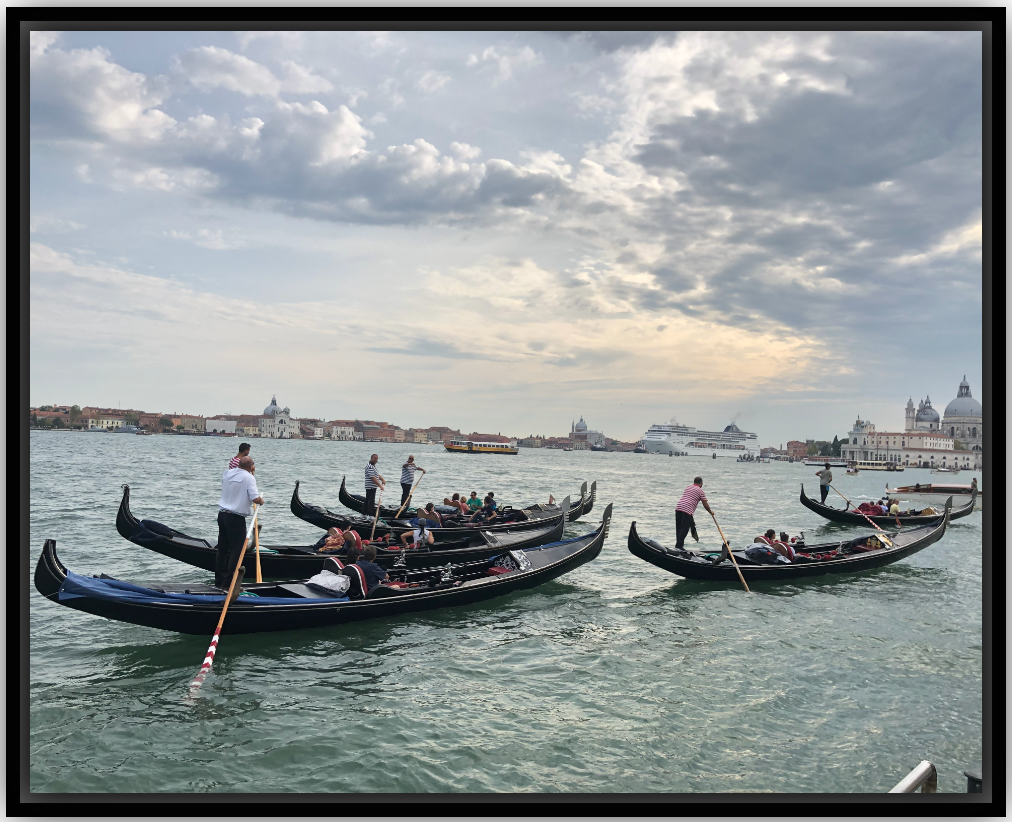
(911, 413)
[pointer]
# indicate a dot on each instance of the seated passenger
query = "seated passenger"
(458, 501)
(882, 507)
(895, 507)
(486, 513)
(429, 513)
(473, 503)
(333, 540)
(417, 538)
(781, 546)
(374, 575)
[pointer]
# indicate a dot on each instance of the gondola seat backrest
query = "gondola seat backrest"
(358, 584)
(334, 565)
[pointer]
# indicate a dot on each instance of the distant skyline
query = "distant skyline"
(505, 230)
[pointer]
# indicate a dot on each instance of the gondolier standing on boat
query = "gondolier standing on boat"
(408, 477)
(825, 478)
(373, 480)
(238, 493)
(243, 452)
(691, 497)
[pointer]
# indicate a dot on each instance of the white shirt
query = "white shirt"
(238, 490)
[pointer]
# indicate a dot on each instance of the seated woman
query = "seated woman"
(781, 546)
(418, 538)
(430, 513)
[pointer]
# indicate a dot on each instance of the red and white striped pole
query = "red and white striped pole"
(205, 669)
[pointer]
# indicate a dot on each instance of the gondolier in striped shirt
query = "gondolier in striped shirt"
(408, 477)
(243, 452)
(684, 522)
(373, 480)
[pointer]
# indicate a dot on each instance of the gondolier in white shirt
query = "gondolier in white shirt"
(238, 493)
(684, 522)
(825, 478)
(408, 477)
(373, 480)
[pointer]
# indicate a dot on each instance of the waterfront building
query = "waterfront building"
(277, 422)
(341, 430)
(219, 425)
(923, 447)
(191, 424)
(532, 442)
(580, 432)
(963, 420)
(797, 450)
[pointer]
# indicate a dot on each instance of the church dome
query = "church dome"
(927, 413)
(732, 429)
(273, 408)
(581, 425)
(964, 405)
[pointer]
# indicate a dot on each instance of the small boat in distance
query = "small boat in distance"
(459, 446)
(935, 494)
(869, 465)
(820, 462)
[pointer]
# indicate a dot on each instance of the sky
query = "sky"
(505, 231)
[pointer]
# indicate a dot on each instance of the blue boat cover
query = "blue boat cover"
(76, 586)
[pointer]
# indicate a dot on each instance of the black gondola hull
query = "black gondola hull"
(356, 503)
(913, 540)
(885, 521)
(325, 518)
(546, 563)
(295, 562)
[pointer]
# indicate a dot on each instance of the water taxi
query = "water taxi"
(470, 447)
(868, 465)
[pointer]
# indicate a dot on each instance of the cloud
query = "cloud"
(210, 67)
(39, 224)
(207, 238)
(432, 81)
(82, 93)
(505, 61)
(301, 80)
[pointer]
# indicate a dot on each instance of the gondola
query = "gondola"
(512, 519)
(195, 609)
(291, 561)
(356, 502)
(853, 518)
(850, 557)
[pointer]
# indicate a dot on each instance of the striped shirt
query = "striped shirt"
(234, 462)
(370, 477)
(408, 473)
(690, 499)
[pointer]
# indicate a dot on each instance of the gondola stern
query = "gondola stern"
(126, 522)
(49, 571)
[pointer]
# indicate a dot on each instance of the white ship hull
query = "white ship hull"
(679, 440)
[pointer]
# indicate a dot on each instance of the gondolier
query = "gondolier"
(238, 493)
(408, 477)
(373, 480)
(243, 452)
(825, 478)
(684, 522)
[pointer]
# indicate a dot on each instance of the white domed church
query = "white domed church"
(277, 422)
(964, 419)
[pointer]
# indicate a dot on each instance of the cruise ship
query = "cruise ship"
(685, 441)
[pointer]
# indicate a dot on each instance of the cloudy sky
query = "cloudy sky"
(503, 231)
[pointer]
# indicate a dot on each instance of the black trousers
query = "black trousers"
(231, 536)
(405, 490)
(824, 490)
(683, 524)
(370, 502)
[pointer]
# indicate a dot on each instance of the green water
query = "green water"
(615, 677)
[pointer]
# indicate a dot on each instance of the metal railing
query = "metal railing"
(923, 776)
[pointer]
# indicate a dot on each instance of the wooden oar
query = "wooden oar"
(404, 505)
(205, 669)
(256, 543)
(376, 518)
(736, 568)
(863, 514)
